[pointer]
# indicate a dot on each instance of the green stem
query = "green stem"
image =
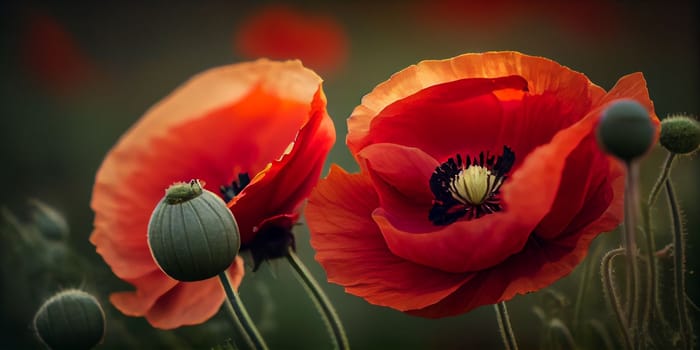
(679, 269)
(240, 316)
(630, 243)
(665, 171)
(240, 330)
(582, 288)
(504, 326)
(606, 273)
(652, 295)
(323, 304)
(691, 303)
(564, 332)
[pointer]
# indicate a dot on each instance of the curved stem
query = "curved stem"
(652, 295)
(323, 304)
(679, 269)
(630, 242)
(564, 332)
(606, 273)
(665, 171)
(240, 316)
(504, 326)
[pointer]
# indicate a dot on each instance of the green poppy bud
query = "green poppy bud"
(48, 220)
(192, 233)
(680, 134)
(71, 319)
(625, 130)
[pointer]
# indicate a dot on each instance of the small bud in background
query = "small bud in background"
(625, 130)
(680, 134)
(50, 223)
(192, 234)
(71, 319)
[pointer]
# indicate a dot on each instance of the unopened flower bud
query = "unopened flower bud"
(625, 130)
(192, 233)
(71, 319)
(48, 220)
(680, 134)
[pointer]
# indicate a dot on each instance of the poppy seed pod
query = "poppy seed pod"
(192, 234)
(71, 319)
(625, 130)
(680, 134)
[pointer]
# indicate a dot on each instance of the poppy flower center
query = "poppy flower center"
(468, 187)
(228, 192)
(271, 241)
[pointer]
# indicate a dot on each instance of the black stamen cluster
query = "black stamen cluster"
(228, 192)
(446, 209)
(272, 241)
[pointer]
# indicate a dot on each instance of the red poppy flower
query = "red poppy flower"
(480, 179)
(280, 32)
(262, 118)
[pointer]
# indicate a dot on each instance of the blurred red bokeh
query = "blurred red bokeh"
(280, 32)
(51, 56)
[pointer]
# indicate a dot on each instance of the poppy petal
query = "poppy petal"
(286, 182)
(401, 177)
(585, 169)
(633, 86)
(528, 123)
(535, 267)
(352, 250)
(573, 193)
(192, 302)
(539, 264)
(496, 281)
(478, 244)
(149, 288)
(543, 75)
(130, 261)
(445, 119)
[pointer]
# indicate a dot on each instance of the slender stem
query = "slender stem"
(630, 243)
(564, 332)
(323, 304)
(650, 275)
(665, 171)
(679, 269)
(240, 330)
(652, 295)
(504, 326)
(691, 303)
(606, 272)
(583, 287)
(240, 316)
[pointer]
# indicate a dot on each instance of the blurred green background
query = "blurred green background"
(63, 108)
